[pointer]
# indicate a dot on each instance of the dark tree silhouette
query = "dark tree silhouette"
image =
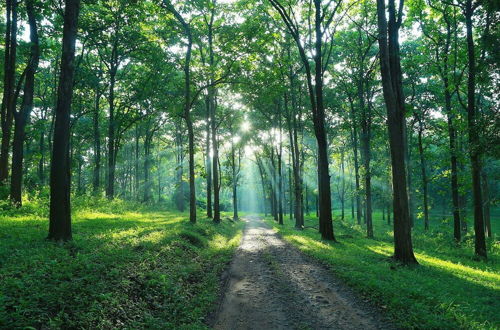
(60, 182)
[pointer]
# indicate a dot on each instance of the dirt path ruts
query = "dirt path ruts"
(272, 285)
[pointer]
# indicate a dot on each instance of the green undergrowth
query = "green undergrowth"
(449, 289)
(123, 269)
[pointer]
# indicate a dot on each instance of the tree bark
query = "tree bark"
(22, 117)
(110, 187)
(9, 99)
(60, 182)
(390, 68)
(365, 146)
(208, 163)
(486, 195)
(147, 166)
(97, 146)
(354, 138)
(235, 183)
(424, 174)
(474, 143)
(454, 164)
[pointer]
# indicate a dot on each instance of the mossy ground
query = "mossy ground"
(123, 269)
(449, 289)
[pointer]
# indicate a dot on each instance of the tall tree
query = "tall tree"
(474, 143)
(60, 181)
(315, 83)
(390, 68)
(441, 44)
(188, 102)
(9, 94)
(22, 116)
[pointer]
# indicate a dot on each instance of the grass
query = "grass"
(450, 289)
(123, 269)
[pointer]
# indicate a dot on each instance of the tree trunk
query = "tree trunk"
(424, 175)
(9, 99)
(295, 155)
(60, 181)
(390, 68)
(208, 163)
(235, 184)
(41, 162)
(454, 166)
(408, 160)
(189, 124)
(262, 181)
(315, 92)
(452, 139)
(97, 146)
(22, 117)
(110, 188)
(342, 194)
(354, 138)
(147, 167)
(365, 146)
(474, 141)
(215, 164)
(486, 195)
(325, 197)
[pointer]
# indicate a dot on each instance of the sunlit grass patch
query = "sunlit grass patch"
(124, 268)
(450, 289)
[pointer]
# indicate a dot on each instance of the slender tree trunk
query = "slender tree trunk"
(365, 146)
(262, 181)
(342, 194)
(325, 203)
(97, 146)
(235, 184)
(474, 141)
(180, 168)
(60, 181)
(295, 155)
(208, 164)
(110, 188)
(189, 124)
(158, 162)
(147, 166)
(424, 175)
(409, 171)
(41, 162)
(22, 117)
(9, 99)
(215, 164)
(454, 166)
(486, 195)
(280, 171)
(390, 68)
(352, 200)
(354, 138)
(212, 92)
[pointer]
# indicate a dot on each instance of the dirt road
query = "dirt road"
(272, 285)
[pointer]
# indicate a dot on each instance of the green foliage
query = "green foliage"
(448, 290)
(124, 269)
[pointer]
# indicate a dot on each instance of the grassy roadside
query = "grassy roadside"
(448, 290)
(147, 269)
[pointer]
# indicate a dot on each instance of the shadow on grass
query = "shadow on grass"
(134, 270)
(442, 292)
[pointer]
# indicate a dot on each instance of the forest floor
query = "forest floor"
(272, 285)
(128, 267)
